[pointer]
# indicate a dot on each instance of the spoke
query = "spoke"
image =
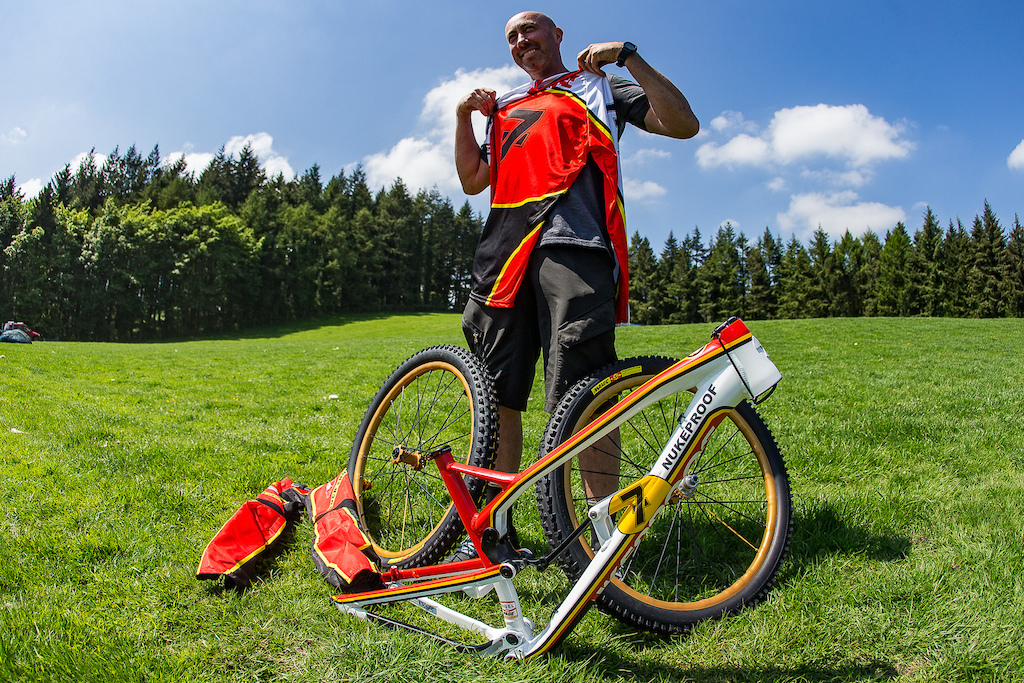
(711, 514)
(727, 504)
(664, 549)
(679, 557)
(709, 462)
(451, 417)
(749, 477)
(643, 438)
(698, 550)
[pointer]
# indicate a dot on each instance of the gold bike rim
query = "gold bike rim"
(388, 555)
(771, 517)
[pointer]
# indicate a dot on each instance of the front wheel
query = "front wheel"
(711, 549)
(441, 396)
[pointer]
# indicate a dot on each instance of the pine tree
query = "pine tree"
(125, 177)
(467, 235)
(760, 300)
(642, 272)
(870, 272)
(246, 175)
(87, 187)
(794, 277)
(849, 259)
(953, 264)
(171, 186)
(822, 285)
(722, 287)
(893, 289)
(308, 189)
(12, 222)
(923, 267)
(988, 267)
(214, 184)
(1015, 270)
(668, 290)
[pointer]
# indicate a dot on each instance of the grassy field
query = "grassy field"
(904, 440)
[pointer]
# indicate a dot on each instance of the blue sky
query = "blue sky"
(845, 115)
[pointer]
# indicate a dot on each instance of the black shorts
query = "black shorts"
(568, 290)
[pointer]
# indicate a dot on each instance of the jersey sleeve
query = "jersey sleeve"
(630, 101)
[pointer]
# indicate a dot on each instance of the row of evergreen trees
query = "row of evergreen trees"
(133, 249)
(138, 249)
(953, 273)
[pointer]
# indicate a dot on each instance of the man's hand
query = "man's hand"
(481, 100)
(596, 55)
(474, 173)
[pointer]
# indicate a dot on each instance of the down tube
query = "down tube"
(656, 389)
(723, 392)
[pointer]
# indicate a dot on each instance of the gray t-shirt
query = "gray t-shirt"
(578, 217)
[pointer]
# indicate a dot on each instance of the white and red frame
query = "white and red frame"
(729, 369)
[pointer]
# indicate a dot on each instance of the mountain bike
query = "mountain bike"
(697, 528)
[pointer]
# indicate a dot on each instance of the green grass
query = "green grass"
(903, 439)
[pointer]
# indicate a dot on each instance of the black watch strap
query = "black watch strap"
(627, 50)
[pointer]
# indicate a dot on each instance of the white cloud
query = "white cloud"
(261, 144)
(741, 150)
(277, 165)
(732, 119)
(640, 190)
(852, 178)
(845, 133)
(97, 159)
(420, 163)
(836, 212)
(426, 160)
(1016, 158)
(31, 188)
(777, 184)
(439, 104)
(195, 162)
(13, 136)
(849, 132)
(642, 156)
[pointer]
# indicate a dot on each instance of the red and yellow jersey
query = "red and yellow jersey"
(540, 138)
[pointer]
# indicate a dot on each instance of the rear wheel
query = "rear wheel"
(441, 396)
(713, 548)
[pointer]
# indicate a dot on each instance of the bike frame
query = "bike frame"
(731, 368)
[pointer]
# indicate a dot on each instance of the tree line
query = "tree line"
(951, 272)
(135, 248)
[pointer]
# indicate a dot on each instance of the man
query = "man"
(551, 268)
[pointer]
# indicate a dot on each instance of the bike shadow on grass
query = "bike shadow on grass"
(823, 530)
(819, 531)
(608, 664)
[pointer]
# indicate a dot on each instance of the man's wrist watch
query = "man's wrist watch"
(628, 50)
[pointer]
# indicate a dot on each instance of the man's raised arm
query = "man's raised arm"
(670, 112)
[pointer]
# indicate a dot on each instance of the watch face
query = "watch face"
(628, 48)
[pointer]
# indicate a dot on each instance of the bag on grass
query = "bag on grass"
(341, 551)
(255, 527)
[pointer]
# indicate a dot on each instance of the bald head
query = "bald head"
(535, 44)
(536, 17)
